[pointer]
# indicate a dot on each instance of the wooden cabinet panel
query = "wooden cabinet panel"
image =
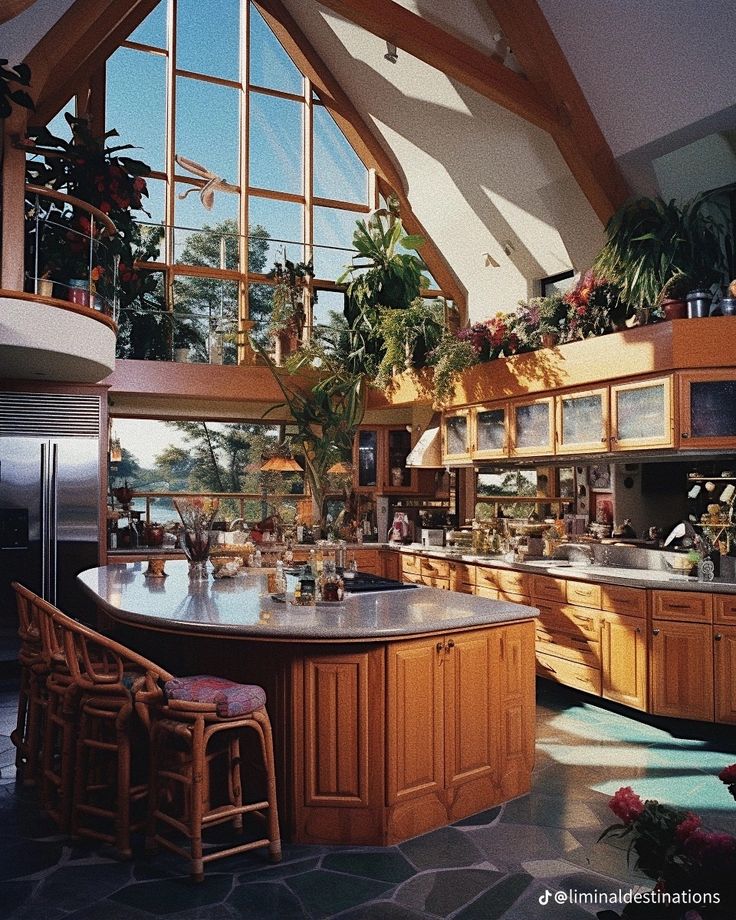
(410, 564)
(415, 700)
(708, 409)
(548, 588)
(624, 600)
(642, 414)
(516, 726)
(565, 645)
(435, 568)
(584, 594)
(390, 564)
(336, 730)
(569, 673)
(624, 660)
(681, 667)
(513, 598)
(490, 432)
(532, 428)
(575, 621)
(513, 582)
(582, 422)
(462, 578)
(724, 609)
(685, 606)
(469, 750)
(367, 560)
(485, 591)
(486, 578)
(724, 645)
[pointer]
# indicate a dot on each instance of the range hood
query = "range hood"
(427, 452)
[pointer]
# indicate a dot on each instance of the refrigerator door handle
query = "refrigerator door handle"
(44, 520)
(53, 522)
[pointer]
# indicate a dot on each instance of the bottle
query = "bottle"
(113, 539)
(257, 558)
(307, 587)
(280, 580)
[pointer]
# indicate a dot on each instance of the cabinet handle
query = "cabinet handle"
(638, 629)
(718, 637)
(685, 434)
(588, 620)
(450, 644)
(655, 632)
(614, 438)
(603, 440)
(439, 647)
(679, 606)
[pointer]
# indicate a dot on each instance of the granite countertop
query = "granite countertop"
(266, 547)
(241, 606)
(597, 574)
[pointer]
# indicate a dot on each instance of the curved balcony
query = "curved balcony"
(62, 327)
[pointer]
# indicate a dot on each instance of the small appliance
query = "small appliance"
(432, 536)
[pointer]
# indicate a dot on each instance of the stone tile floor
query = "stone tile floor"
(493, 865)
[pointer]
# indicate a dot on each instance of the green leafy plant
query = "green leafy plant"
(9, 74)
(450, 359)
(649, 241)
(288, 295)
(409, 335)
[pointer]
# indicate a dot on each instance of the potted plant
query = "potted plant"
(650, 241)
(552, 319)
(288, 313)
(595, 306)
(450, 359)
(672, 297)
(409, 335)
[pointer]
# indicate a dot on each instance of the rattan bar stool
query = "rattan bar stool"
(32, 697)
(202, 721)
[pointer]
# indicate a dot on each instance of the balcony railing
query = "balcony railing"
(68, 252)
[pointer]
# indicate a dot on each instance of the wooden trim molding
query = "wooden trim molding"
(62, 305)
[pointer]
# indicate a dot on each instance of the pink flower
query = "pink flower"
(686, 827)
(708, 847)
(626, 805)
(728, 774)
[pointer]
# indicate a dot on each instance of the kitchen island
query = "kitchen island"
(393, 713)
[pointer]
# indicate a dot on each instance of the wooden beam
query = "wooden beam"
(361, 137)
(576, 131)
(417, 36)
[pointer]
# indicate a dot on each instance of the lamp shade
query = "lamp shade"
(281, 465)
(342, 467)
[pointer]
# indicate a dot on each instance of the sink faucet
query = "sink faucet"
(236, 521)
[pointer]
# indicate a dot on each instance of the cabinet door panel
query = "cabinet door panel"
(468, 730)
(516, 700)
(491, 432)
(681, 666)
(708, 409)
(582, 422)
(367, 459)
(624, 660)
(641, 414)
(416, 719)
(621, 599)
(687, 606)
(456, 436)
(724, 645)
(533, 427)
(336, 730)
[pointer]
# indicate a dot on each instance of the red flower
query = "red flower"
(728, 774)
(626, 805)
(686, 827)
(708, 847)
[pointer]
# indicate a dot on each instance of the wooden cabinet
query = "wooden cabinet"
(581, 422)
(681, 667)
(532, 428)
(460, 722)
(584, 594)
(379, 463)
(462, 577)
(685, 606)
(625, 600)
(390, 564)
(367, 560)
(456, 437)
(724, 660)
(642, 414)
(624, 660)
(708, 409)
(490, 432)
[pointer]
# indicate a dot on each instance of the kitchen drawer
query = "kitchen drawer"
(413, 577)
(434, 568)
(434, 581)
(724, 608)
(486, 591)
(514, 582)
(573, 648)
(486, 578)
(570, 673)
(583, 594)
(367, 559)
(620, 599)
(514, 598)
(547, 588)
(462, 577)
(576, 621)
(410, 564)
(687, 606)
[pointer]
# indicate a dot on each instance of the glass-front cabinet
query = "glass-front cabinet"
(490, 432)
(456, 443)
(397, 476)
(641, 414)
(582, 422)
(532, 428)
(708, 409)
(379, 462)
(366, 459)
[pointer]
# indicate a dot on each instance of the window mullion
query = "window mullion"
(308, 220)
(245, 350)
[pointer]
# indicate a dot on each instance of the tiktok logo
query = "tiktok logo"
(544, 898)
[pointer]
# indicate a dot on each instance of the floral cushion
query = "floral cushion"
(231, 699)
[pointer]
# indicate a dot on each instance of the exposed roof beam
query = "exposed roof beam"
(426, 41)
(576, 132)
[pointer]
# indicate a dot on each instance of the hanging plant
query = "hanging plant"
(288, 311)
(450, 359)
(20, 74)
(408, 335)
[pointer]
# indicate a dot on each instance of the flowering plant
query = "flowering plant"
(493, 337)
(197, 515)
(594, 306)
(672, 847)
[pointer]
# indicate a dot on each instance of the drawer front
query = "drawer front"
(575, 621)
(570, 673)
(486, 591)
(367, 559)
(434, 581)
(413, 577)
(515, 582)
(687, 606)
(514, 598)
(435, 568)
(551, 589)
(462, 576)
(486, 578)
(620, 599)
(583, 594)
(410, 564)
(724, 609)
(573, 648)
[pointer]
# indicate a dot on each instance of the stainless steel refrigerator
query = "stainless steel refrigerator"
(49, 497)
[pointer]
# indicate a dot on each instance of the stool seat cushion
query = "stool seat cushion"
(231, 699)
